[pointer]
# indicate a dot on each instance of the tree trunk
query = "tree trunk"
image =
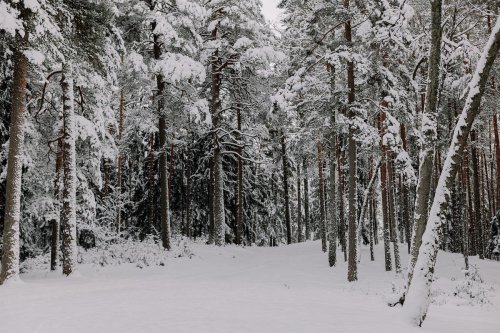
(322, 219)
(364, 207)
(211, 227)
(10, 251)
(68, 216)
(56, 225)
(477, 197)
(218, 174)
(151, 185)
(299, 207)
(164, 197)
(239, 190)
(465, 227)
(352, 273)
(392, 216)
(332, 248)
(342, 239)
(497, 158)
(418, 297)
(384, 193)
(372, 228)
(286, 194)
(429, 137)
(162, 126)
(189, 227)
(218, 201)
(306, 199)
(406, 190)
(119, 175)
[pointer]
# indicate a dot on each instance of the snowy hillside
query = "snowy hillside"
(235, 289)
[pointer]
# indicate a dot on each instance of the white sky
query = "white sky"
(270, 10)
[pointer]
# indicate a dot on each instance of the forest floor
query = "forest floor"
(236, 289)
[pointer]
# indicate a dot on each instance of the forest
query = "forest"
(359, 133)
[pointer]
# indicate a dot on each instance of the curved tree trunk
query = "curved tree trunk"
(418, 296)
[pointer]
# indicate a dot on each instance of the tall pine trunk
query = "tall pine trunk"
(477, 197)
(321, 187)
(393, 220)
(68, 215)
(332, 239)
(299, 207)
(56, 223)
(239, 189)
(162, 126)
(384, 193)
(284, 157)
(341, 223)
(307, 222)
(218, 172)
(10, 250)
(352, 270)
(119, 175)
(151, 185)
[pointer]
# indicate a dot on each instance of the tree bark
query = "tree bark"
(332, 248)
(342, 232)
(429, 137)
(299, 207)
(393, 220)
(465, 227)
(218, 174)
(56, 225)
(239, 190)
(406, 200)
(477, 197)
(322, 219)
(307, 223)
(352, 271)
(162, 126)
(68, 216)
(119, 175)
(211, 219)
(372, 229)
(286, 193)
(384, 193)
(151, 185)
(189, 227)
(10, 250)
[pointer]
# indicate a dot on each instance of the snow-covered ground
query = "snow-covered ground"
(235, 289)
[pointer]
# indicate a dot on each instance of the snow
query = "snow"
(34, 56)
(236, 289)
(177, 67)
(8, 19)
